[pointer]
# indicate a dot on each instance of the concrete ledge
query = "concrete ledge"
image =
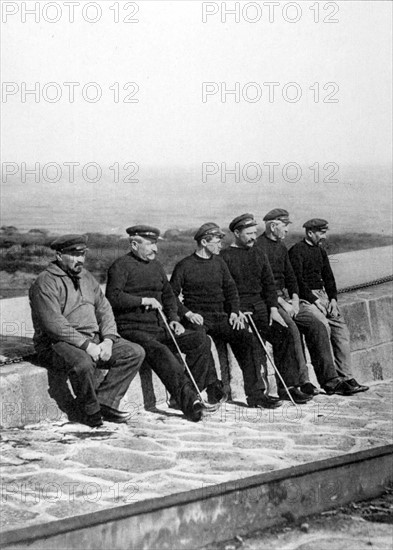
(199, 517)
(24, 387)
(368, 314)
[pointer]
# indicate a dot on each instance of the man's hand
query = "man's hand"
(237, 321)
(333, 308)
(320, 306)
(106, 349)
(151, 303)
(275, 316)
(295, 304)
(288, 308)
(94, 351)
(194, 318)
(177, 327)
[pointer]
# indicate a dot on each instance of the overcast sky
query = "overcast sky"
(169, 53)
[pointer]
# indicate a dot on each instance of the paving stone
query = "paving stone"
(10, 460)
(30, 455)
(10, 516)
(172, 443)
(63, 509)
(261, 443)
(342, 443)
(115, 476)
(137, 444)
(167, 454)
(131, 461)
(302, 456)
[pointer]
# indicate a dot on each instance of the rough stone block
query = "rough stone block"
(356, 316)
(373, 364)
(381, 319)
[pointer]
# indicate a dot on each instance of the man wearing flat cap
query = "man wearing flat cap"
(317, 289)
(137, 288)
(211, 299)
(75, 331)
(295, 312)
(250, 269)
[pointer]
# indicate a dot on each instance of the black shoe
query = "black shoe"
(93, 420)
(356, 386)
(195, 414)
(341, 388)
(298, 396)
(216, 393)
(309, 389)
(114, 415)
(172, 404)
(264, 402)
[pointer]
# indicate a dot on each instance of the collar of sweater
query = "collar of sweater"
(202, 258)
(270, 237)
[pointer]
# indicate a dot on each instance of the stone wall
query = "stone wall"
(26, 392)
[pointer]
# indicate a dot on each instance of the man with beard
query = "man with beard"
(318, 291)
(252, 273)
(137, 288)
(75, 332)
(211, 299)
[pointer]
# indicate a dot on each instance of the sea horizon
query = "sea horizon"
(361, 201)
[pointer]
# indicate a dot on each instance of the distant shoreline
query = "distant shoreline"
(25, 254)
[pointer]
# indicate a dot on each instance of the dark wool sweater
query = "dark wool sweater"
(206, 285)
(312, 269)
(129, 280)
(253, 276)
(278, 257)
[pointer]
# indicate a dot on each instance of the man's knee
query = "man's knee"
(132, 351)
(194, 339)
(84, 366)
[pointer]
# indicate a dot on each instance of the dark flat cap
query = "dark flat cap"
(243, 221)
(209, 228)
(70, 243)
(316, 224)
(145, 231)
(277, 214)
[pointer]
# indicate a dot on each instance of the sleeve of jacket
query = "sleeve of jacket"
(297, 262)
(105, 318)
(232, 300)
(46, 309)
(290, 277)
(117, 280)
(169, 301)
(176, 282)
(328, 277)
(267, 280)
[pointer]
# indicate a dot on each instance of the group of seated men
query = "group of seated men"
(211, 292)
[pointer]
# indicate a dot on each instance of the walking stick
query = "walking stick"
(256, 332)
(205, 405)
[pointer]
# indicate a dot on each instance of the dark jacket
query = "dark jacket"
(129, 280)
(312, 269)
(63, 313)
(278, 257)
(253, 276)
(206, 285)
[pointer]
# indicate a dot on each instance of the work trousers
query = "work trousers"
(160, 349)
(122, 368)
(336, 333)
(287, 348)
(243, 344)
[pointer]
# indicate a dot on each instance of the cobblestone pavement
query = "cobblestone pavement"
(53, 470)
(358, 526)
